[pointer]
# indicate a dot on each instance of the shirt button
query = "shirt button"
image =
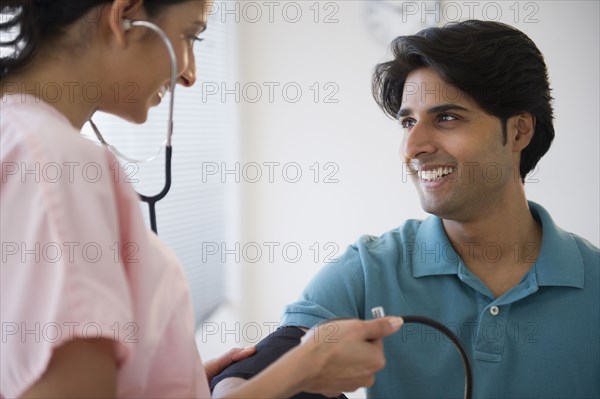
(494, 310)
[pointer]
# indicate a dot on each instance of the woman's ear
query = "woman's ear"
(520, 130)
(120, 11)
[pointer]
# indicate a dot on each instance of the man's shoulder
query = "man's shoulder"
(397, 246)
(559, 242)
(392, 241)
(589, 252)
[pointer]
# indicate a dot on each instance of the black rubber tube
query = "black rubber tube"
(455, 340)
(152, 200)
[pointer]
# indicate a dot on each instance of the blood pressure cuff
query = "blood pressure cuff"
(267, 351)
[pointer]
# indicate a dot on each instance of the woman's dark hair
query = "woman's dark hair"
(498, 66)
(41, 21)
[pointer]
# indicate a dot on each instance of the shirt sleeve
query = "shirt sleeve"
(63, 274)
(336, 291)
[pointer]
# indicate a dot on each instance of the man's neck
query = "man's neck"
(500, 245)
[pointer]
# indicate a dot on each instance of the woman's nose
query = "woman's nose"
(188, 77)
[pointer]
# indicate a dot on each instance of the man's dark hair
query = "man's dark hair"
(496, 65)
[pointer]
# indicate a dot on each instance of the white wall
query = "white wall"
(370, 196)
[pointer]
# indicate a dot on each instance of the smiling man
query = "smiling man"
(473, 100)
(462, 161)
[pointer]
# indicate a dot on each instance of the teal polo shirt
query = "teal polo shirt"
(538, 340)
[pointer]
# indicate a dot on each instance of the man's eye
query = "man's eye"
(407, 123)
(447, 118)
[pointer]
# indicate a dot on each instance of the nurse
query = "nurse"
(92, 303)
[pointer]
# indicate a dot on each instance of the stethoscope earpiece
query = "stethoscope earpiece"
(127, 24)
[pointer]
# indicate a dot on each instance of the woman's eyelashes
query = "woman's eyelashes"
(194, 39)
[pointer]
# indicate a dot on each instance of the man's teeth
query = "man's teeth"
(430, 175)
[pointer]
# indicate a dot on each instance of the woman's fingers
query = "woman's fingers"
(350, 352)
(380, 328)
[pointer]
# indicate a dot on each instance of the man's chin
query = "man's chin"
(430, 209)
(437, 208)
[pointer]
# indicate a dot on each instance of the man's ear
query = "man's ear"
(121, 10)
(520, 130)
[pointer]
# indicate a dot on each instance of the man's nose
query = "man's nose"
(419, 140)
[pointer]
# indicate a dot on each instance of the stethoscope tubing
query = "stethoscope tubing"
(153, 199)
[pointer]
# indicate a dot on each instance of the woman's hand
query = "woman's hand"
(214, 367)
(344, 355)
(333, 357)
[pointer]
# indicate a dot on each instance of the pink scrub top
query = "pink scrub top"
(78, 262)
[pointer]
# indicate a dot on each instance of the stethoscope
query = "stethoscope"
(152, 200)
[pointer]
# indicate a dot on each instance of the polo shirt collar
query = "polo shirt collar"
(559, 262)
(433, 254)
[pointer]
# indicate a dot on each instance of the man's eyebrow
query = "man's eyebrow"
(433, 110)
